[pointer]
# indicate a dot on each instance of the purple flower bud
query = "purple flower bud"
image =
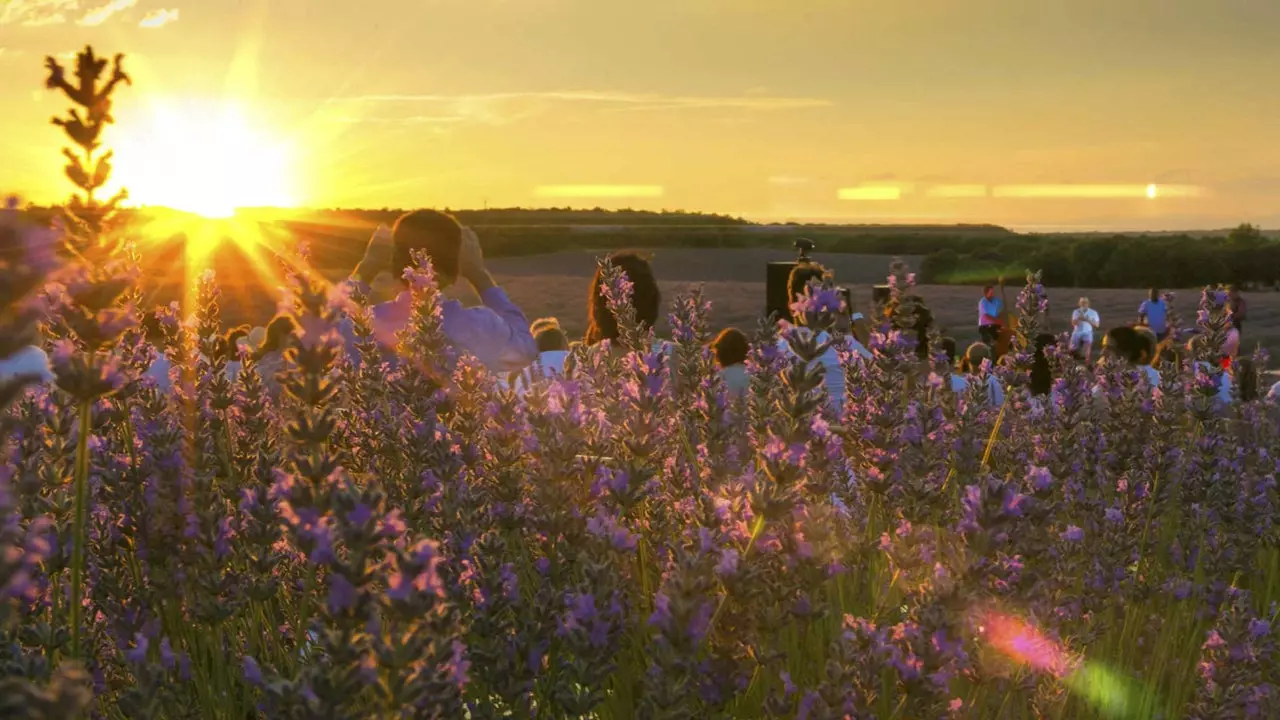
(1073, 534)
(1040, 478)
(252, 672)
(138, 653)
(342, 594)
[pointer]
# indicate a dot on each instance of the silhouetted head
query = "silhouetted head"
(949, 348)
(1131, 344)
(280, 331)
(437, 234)
(730, 347)
(974, 356)
(989, 292)
(801, 275)
(645, 298)
(152, 328)
(1154, 295)
(226, 349)
(548, 335)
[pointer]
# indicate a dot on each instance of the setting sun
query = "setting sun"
(208, 159)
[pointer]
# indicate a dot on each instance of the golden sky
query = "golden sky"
(1029, 113)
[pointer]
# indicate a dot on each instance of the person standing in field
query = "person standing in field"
(731, 348)
(1154, 313)
(496, 333)
(1238, 308)
(833, 379)
(990, 308)
(646, 301)
(1083, 322)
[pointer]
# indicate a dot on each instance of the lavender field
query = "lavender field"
(343, 535)
(415, 542)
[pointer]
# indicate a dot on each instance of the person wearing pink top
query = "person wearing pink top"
(495, 333)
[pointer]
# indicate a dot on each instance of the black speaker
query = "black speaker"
(880, 294)
(777, 276)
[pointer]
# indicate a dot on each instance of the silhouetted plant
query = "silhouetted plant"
(87, 215)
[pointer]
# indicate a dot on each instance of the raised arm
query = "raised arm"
(498, 334)
(377, 257)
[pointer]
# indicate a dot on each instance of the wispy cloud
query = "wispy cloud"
(501, 108)
(159, 18)
(103, 13)
(635, 100)
(33, 13)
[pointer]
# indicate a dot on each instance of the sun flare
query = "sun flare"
(208, 159)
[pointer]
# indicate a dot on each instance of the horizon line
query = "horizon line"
(1061, 228)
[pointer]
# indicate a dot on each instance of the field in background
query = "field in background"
(556, 284)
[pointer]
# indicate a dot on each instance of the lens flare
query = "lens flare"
(1110, 693)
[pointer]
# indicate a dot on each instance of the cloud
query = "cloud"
(34, 13)
(443, 113)
(101, 14)
(498, 108)
(159, 18)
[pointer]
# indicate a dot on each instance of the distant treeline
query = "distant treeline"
(336, 245)
(1243, 256)
(954, 254)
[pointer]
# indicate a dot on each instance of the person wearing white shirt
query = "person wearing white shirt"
(833, 372)
(731, 348)
(553, 351)
(1083, 322)
(1137, 347)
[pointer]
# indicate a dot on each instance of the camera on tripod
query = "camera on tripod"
(778, 278)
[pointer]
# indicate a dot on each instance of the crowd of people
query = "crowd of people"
(499, 335)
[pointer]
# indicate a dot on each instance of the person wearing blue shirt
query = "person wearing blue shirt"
(1154, 313)
(990, 308)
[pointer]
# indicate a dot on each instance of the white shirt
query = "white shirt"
(830, 360)
(736, 380)
(30, 360)
(1080, 327)
(550, 364)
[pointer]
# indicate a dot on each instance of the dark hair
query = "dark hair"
(1247, 379)
(986, 289)
(949, 347)
(801, 275)
(276, 339)
(923, 321)
(548, 335)
(730, 347)
(645, 298)
(225, 348)
(152, 328)
(1155, 295)
(1131, 344)
(1041, 374)
(974, 356)
(436, 233)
